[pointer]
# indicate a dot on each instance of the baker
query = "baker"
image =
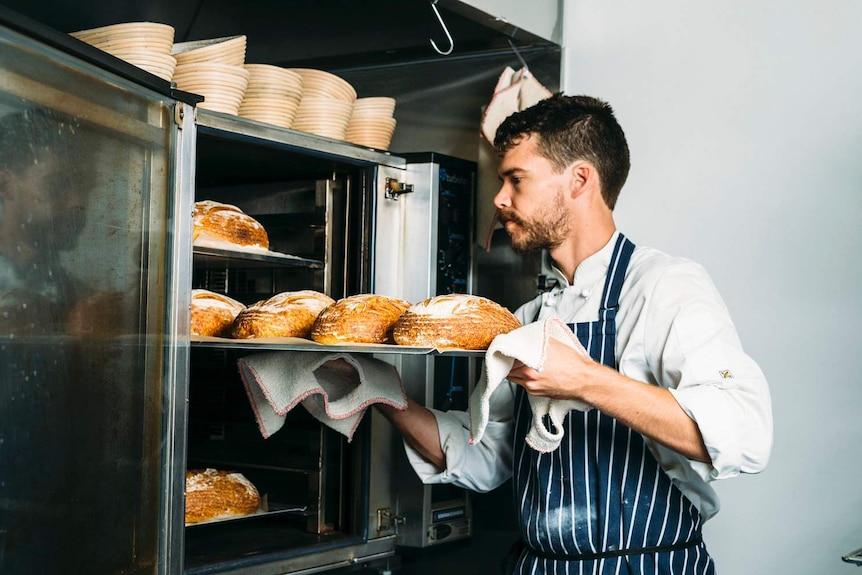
(676, 402)
(41, 215)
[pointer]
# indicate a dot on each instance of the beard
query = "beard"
(547, 229)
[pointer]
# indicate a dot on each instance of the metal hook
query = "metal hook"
(446, 30)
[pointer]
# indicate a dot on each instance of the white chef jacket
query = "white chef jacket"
(673, 330)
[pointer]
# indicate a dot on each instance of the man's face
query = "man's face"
(532, 199)
(43, 206)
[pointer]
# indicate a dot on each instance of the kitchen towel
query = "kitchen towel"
(336, 394)
(528, 344)
(515, 91)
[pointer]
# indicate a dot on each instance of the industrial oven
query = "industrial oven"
(107, 400)
(403, 230)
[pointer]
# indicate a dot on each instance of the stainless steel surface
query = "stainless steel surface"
(301, 141)
(106, 232)
(274, 258)
(410, 262)
(184, 137)
(854, 557)
(346, 556)
(295, 344)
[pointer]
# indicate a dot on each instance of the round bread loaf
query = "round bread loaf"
(217, 224)
(215, 494)
(453, 321)
(361, 318)
(288, 314)
(213, 313)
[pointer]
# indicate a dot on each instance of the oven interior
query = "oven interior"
(313, 482)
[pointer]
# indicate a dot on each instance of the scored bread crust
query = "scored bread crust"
(460, 321)
(215, 222)
(213, 313)
(360, 318)
(288, 314)
(217, 494)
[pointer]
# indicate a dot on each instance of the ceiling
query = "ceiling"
(316, 33)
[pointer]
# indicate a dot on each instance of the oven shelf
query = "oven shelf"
(299, 344)
(210, 255)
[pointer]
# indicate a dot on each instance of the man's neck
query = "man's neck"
(583, 243)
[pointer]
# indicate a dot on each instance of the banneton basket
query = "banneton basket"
(226, 50)
(323, 116)
(151, 36)
(375, 107)
(147, 45)
(325, 84)
(162, 65)
(266, 78)
(223, 86)
(372, 124)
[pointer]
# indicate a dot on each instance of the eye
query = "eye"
(515, 180)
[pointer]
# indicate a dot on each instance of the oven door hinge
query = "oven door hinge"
(387, 520)
(394, 188)
(180, 114)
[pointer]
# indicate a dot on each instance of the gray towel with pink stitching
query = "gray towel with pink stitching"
(335, 393)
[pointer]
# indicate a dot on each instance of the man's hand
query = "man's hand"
(648, 409)
(563, 375)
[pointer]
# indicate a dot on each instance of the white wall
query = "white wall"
(745, 126)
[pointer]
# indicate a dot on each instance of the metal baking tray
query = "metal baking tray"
(267, 510)
(258, 256)
(299, 344)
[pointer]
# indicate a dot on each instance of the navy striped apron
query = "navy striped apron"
(600, 503)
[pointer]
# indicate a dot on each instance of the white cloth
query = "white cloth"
(529, 345)
(277, 381)
(673, 330)
(514, 92)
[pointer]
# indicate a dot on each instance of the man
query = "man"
(41, 215)
(676, 403)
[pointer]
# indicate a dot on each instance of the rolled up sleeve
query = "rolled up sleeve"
(481, 466)
(696, 354)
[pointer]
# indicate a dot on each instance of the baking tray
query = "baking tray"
(300, 344)
(255, 255)
(266, 510)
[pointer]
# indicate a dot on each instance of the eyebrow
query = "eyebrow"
(509, 172)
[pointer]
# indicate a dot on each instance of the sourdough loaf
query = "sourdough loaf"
(215, 494)
(453, 321)
(361, 318)
(217, 224)
(213, 313)
(288, 314)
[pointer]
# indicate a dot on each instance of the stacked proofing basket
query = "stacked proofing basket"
(372, 123)
(214, 69)
(326, 105)
(272, 96)
(147, 45)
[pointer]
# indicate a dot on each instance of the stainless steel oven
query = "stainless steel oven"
(119, 407)
(351, 221)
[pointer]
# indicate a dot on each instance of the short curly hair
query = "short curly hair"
(571, 128)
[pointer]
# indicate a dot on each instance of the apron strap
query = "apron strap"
(617, 553)
(623, 251)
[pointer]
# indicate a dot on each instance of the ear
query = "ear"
(583, 177)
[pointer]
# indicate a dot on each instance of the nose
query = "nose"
(503, 199)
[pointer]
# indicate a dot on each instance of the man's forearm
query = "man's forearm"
(418, 426)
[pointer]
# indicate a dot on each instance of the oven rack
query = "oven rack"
(299, 344)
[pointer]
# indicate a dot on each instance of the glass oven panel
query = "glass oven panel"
(85, 181)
